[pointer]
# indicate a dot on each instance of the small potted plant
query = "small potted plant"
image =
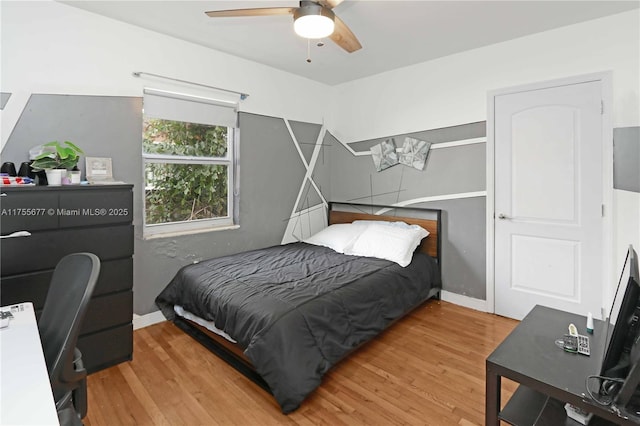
(55, 163)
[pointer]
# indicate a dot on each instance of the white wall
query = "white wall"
(49, 47)
(453, 90)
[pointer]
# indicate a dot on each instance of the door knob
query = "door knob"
(502, 216)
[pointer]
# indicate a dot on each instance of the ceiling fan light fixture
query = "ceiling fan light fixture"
(313, 21)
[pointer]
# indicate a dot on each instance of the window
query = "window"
(188, 147)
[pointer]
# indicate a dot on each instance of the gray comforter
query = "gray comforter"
(297, 309)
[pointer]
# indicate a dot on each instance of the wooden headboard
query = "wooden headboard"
(430, 245)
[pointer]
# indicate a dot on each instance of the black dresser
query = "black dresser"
(69, 219)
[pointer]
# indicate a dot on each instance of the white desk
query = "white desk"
(25, 391)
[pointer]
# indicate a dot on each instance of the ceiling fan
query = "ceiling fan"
(312, 20)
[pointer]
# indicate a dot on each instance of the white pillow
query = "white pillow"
(338, 237)
(393, 243)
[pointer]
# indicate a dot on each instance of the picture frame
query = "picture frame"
(99, 169)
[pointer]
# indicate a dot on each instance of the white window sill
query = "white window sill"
(188, 232)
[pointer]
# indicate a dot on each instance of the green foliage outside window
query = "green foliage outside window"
(176, 192)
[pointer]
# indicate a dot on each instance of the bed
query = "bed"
(284, 315)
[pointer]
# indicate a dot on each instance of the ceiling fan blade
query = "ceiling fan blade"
(329, 4)
(262, 11)
(343, 37)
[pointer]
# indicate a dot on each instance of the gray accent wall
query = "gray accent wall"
(444, 134)
(271, 174)
(463, 245)
(306, 135)
(323, 171)
(4, 98)
(626, 158)
(448, 172)
(103, 126)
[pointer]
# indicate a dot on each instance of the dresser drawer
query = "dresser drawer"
(108, 311)
(106, 348)
(43, 250)
(91, 207)
(115, 276)
(21, 211)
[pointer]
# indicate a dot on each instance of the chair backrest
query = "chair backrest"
(70, 290)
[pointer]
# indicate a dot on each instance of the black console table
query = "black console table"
(548, 376)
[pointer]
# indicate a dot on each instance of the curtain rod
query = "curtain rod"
(243, 96)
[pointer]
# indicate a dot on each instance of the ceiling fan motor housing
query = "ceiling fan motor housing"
(310, 10)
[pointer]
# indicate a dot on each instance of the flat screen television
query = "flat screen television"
(622, 350)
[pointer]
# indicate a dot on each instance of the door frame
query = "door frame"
(606, 80)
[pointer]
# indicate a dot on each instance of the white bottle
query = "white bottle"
(589, 323)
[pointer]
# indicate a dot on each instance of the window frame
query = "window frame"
(230, 160)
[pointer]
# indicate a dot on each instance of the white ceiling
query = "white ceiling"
(393, 33)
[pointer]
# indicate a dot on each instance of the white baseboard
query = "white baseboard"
(466, 301)
(141, 321)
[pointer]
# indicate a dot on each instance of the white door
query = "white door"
(548, 199)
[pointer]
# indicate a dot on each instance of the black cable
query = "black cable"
(603, 389)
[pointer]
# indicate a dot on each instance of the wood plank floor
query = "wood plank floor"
(427, 369)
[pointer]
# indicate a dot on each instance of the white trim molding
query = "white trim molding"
(458, 143)
(466, 301)
(433, 198)
(141, 321)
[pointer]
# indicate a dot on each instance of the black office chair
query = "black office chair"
(67, 301)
